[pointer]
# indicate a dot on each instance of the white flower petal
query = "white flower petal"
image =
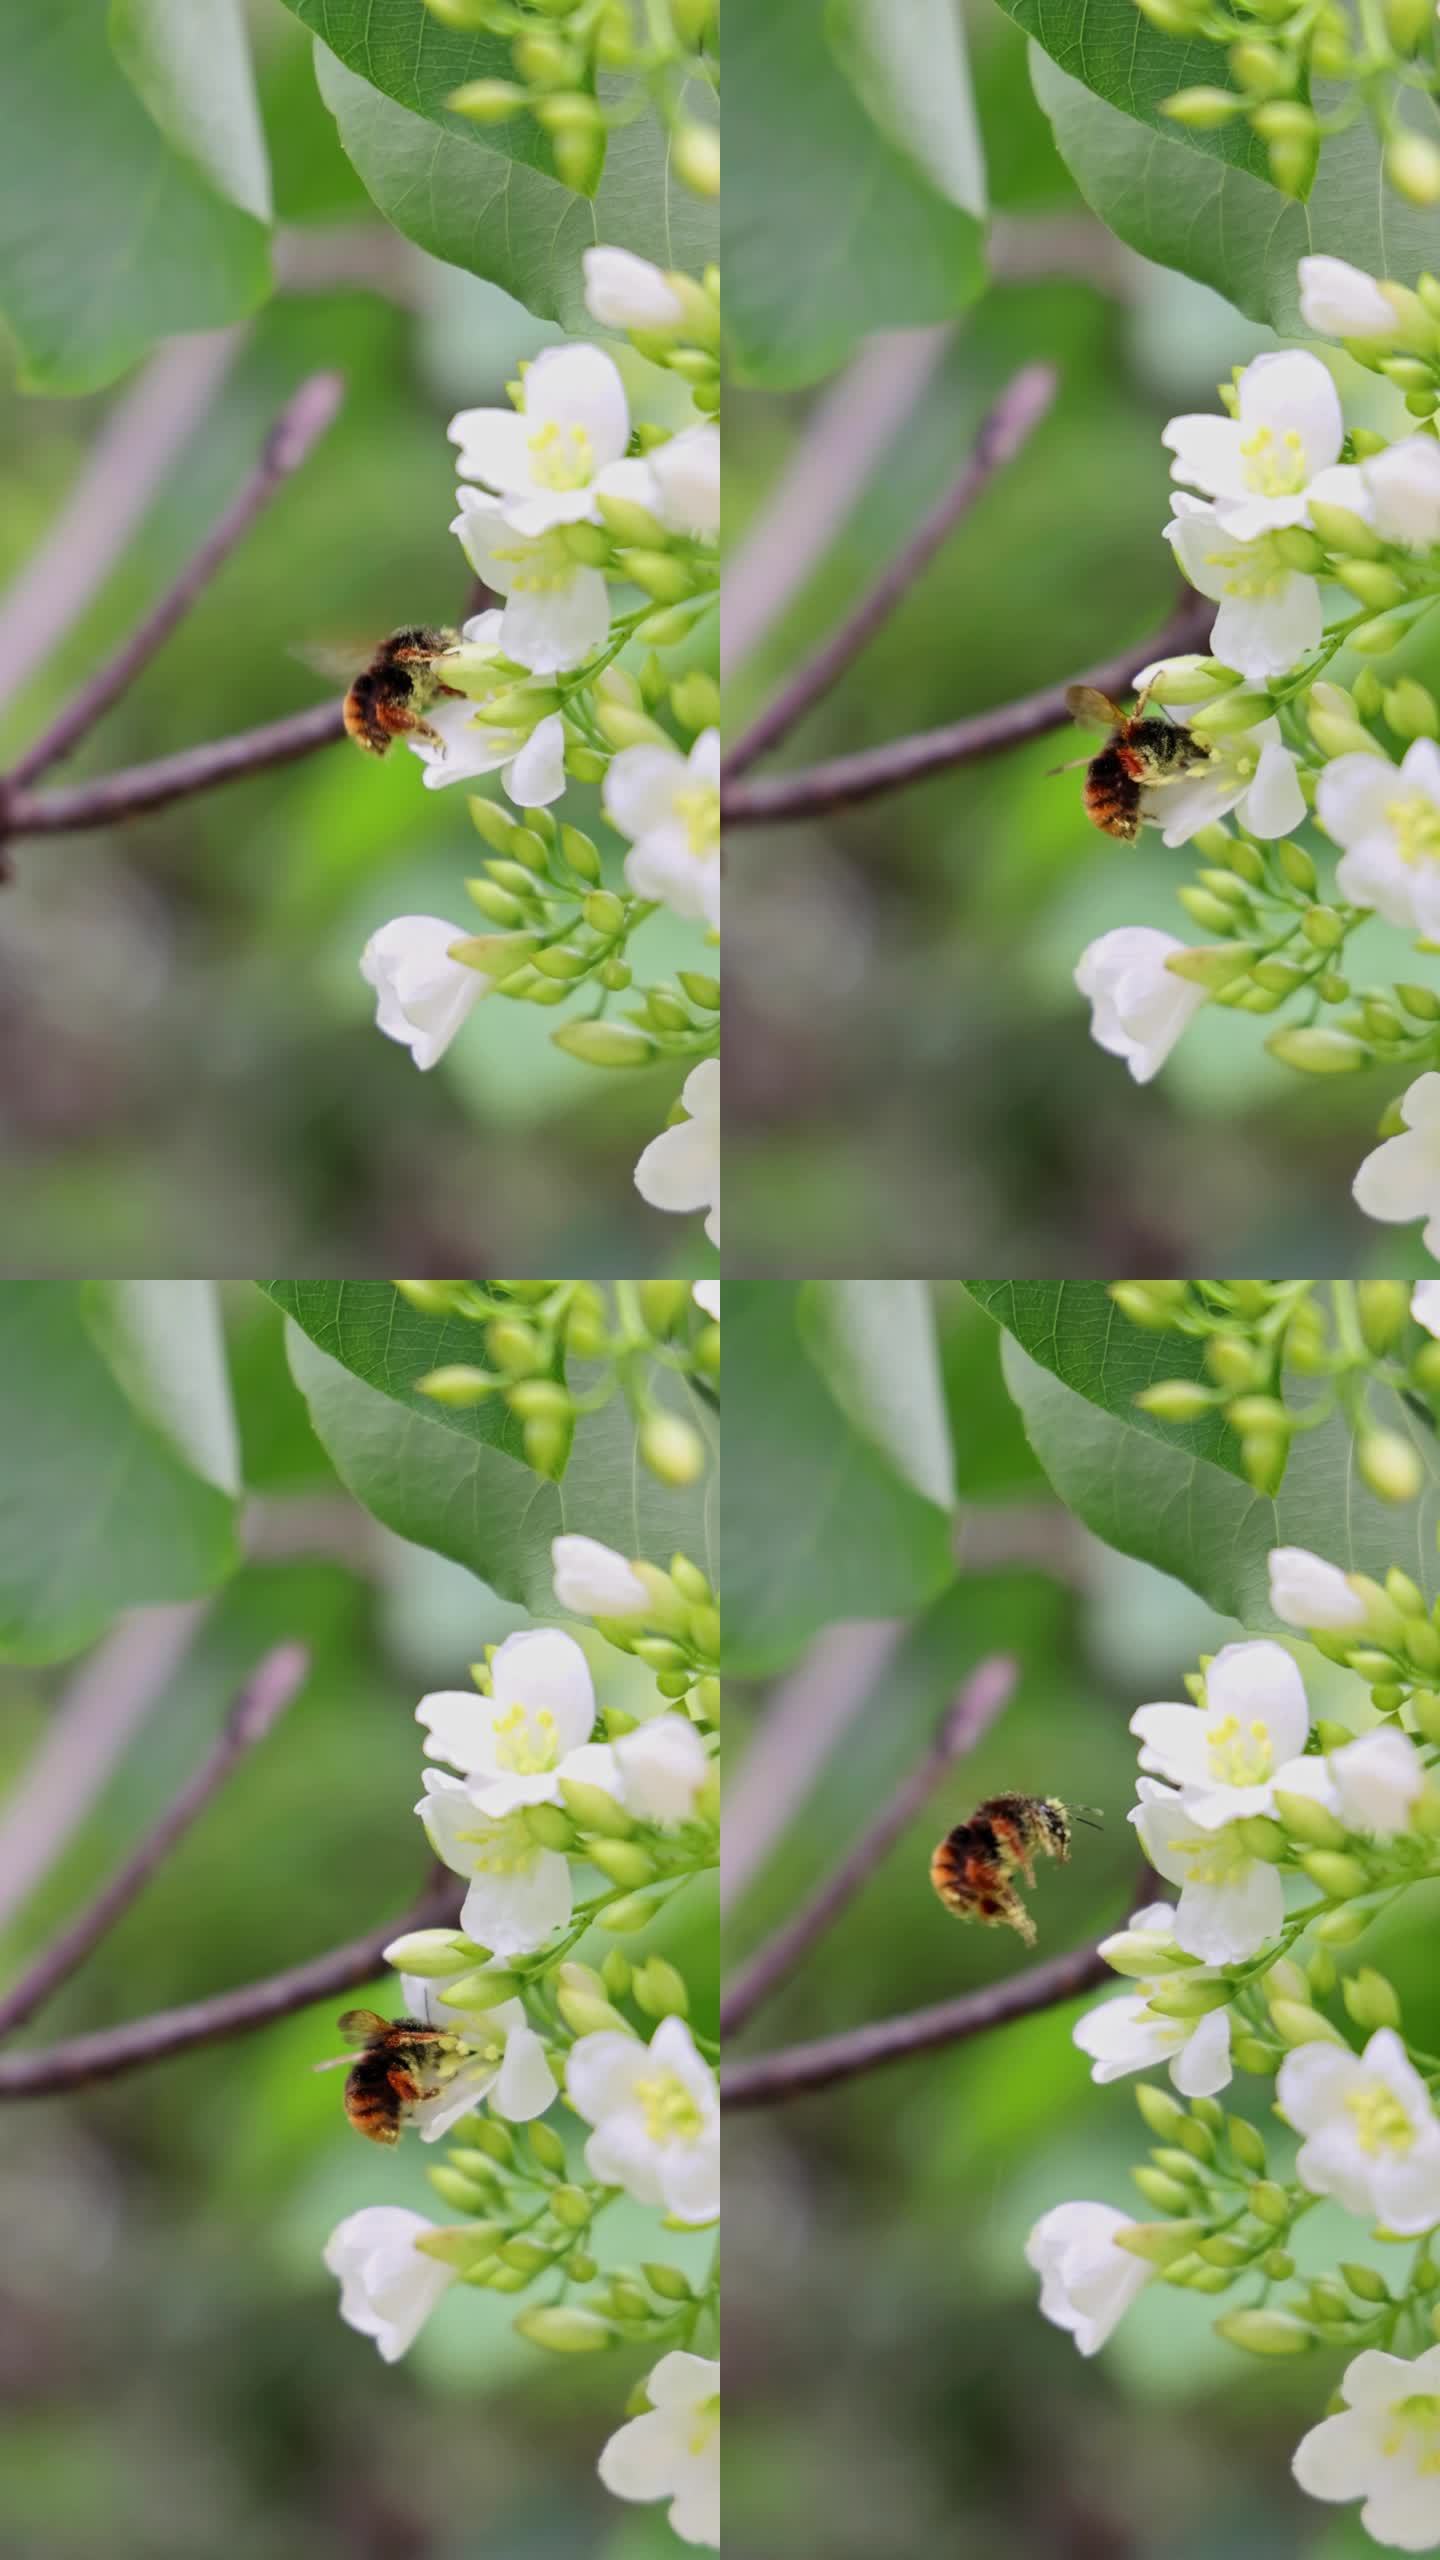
(422, 995)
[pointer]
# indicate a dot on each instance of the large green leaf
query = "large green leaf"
(833, 228)
(822, 1522)
(192, 70)
(505, 221)
(401, 50)
(113, 234)
(455, 1480)
(101, 1504)
(1114, 51)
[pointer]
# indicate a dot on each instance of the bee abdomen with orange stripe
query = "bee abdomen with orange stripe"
(973, 1868)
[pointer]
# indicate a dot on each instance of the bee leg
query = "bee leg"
(1012, 1914)
(453, 690)
(404, 2083)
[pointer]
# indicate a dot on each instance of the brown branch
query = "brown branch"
(104, 2055)
(1006, 428)
(987, 1690)
(843, 781)
(257, 1706)
(149, 786)
(298, 428)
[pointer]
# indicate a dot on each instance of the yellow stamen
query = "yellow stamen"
(561, 457)
(671, 2114)
(1380, 2120)
(1274, 472)
(1416, 822)
(699, 806)
(526, 1741)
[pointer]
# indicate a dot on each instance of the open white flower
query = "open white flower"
(516, 1745)
(592, 1581)
(1388, 822)
(422, 995)
(663, 1766)
(1379, 1780)
(672, 2450)
(1231, 1904)
(530, 763)
(1384, 2447)
(681, 1168)
(1401, 1179)
(626, 292)
(548, 461)
(1249, 770)
(1086, 2283)
(1229, 1755)
(1269, 613)
(669, 807)
(1307, 1592)
(1341, 301)
(1403, 485)
(519, 1893)
(656, 2113)
(505, 2063)
(1140, 1008)
(1259, 466)
(387, 2288)
(1124, 2034)
(687, 474)
(557, 610)
(1372, 2138)
(1424, 1305)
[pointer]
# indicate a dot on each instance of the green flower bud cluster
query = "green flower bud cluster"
(558, 51)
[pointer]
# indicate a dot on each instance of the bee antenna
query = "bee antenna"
(1090, 1815)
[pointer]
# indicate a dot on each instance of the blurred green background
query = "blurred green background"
(890, 2385)
(175, 2383)
(911, 1084)
(190, 1077)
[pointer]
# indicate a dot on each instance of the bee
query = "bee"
(390, 697)
(403, 2060)
(1143, 749)
(974, 1866)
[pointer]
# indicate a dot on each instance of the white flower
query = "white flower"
(672, 2450)
(663, 1766)
(387, 2288)
(1231, 1904)
(1384, 2447)
(1124, 2034)
(548, 461)
(1372, 2136)
(422, 995)
(519, 1893)
(1229, 1755)
(1259, 466)
(1086, 2283)
(1424, 1304)
(531, 764)
(1269, 613)
(1379, 1780)
(687, 474)
(1401, 1179)
(1140, 1006)
(557, 611)
(1403, 484)
(1389, 825)
(592, 1581)
(626, 292)
(681, 1168)
(1341, 301)
(506, 2061)
(669, 807)
(706, 1294)
(1251, 770)
(517, 1744)
(1307, 1592)
(656, 2113)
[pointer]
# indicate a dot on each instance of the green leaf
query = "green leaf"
(192, 70)
(911, 73)
(101, 1507)
(1075, 1328)
(1189, 209)
(874, 1344)
(827, 1526)
(1110, 48)
(833, 229)
(399, 50)
(496, 217)
(110, 237)
(456, 1480)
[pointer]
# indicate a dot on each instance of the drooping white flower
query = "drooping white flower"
(626, 292)
(592, 1581)
(1269, 613)
(557, 610)
(1124, 2034)
(1403, 484)
(1372, 2138)
(387, 2288)
(1384, 2447)
(706, 1294)
(1388, 822)
(663, 1766)
(548, 460)
(656, 2113)
(1231, 1904)
(669, 807)
(517, 1744)
(1228, 1756)
(1379, 1779)
(687, 474)
(672, 2450)
(681, 1168)
(422, 996)
(1424, 1305)
(1307, 1592)
(1341, 301)
(1086, 2283)
(506, 2061)
(519, 1893)
(1140, 1007)
(1401, 1179)
(1259, 466)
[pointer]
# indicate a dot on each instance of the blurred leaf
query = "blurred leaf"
(163, 1340)
(191, 69)
(993, 1458)
(910, 71)
(110, 236)
(100, 1507)
(831, 229)
(873, 1342)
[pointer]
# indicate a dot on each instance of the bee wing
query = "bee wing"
(362, 2026)
(340, 660)
(1095, 709)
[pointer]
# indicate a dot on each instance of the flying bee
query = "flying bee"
(1143, 749)
(402, 2061)
(974, 1867)
(390, 697)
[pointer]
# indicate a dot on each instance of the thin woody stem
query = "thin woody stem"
(980, 1701)
(257, 1707)
(149, 786)
(846, 780)
(1008, 426)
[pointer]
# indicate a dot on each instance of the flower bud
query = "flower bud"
(1377, 639)
(572, 2207)
(1317, 1050)
(1250, 2053)
(1339, 1928)
(623, 1861)
(1371, 1999)
(465, 2194)
(1412, 165)
(1231, 713)
(1371, 583)
(487, 101)
(594, 1810)
(1163, 2114)
(432, 1952)
(1247, 2144)
(587, 2016)
(1166, 2194)
(660, 1990)
(1337, 1874)
(1299, 2024)
(1265, 2333)
(1159, 2243)
(671, 1448)
(635, 1912)
(461, 2245)
(1204, 110)
(605, 1044)
(1390, 1465)
(695, 158)
(565, 2328)
(1176, 1400)
(1307, 1820)
(671, 2283)
(458, 1387)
